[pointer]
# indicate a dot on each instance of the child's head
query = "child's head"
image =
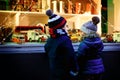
(57, 24)
(55, 21)
(90, 28)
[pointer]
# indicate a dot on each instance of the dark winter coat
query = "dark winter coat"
(89, 58)
(62, 58)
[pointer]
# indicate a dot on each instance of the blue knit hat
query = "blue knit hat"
(55, 21)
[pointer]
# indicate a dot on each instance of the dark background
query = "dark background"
(35, 66)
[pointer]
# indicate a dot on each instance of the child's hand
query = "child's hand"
(73, 73)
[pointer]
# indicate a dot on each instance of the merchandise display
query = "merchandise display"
(25, 15)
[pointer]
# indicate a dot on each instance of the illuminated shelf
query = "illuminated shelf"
(25, 18)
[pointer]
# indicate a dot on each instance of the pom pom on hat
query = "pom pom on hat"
(95, 20)
(49, 12)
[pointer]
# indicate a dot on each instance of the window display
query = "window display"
(25, 15)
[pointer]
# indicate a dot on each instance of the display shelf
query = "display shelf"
(25, 18)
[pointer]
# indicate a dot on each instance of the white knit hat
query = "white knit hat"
(90, 26)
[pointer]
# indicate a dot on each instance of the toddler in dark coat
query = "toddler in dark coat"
(90, 61)
(62, 59)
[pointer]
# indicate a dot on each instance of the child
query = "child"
(62, 59)
(89, 59)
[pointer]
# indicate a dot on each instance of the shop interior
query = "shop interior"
(25, 20)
